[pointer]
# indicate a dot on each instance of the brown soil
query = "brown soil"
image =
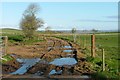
(47, 50)
(10, 66)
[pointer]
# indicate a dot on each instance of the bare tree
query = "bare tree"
(94, 30)
(48, 28)
(30, 23)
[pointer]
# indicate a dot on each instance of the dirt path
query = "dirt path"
(48, 50)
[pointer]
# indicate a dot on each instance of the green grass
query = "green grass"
(105, 76)
(29, 42)
(11, 31)
(109, 42)
(7, 57)
(17, 36)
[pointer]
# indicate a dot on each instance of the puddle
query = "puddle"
(22, 60)
(67, 46)
(55, 72)
(56, 47)
(61, 62)
(38, 73)
(64, 61)
(26, 64)
(68, 51)
(84, 76)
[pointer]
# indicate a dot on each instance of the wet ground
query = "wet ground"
(47, 51)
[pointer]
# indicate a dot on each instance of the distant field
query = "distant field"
(16, 31)
(10, 31)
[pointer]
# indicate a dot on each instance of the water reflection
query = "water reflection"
(67, 47)
(26, 64)
(68, 51)
(64, 61)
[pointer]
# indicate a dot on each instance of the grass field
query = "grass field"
(106, 41)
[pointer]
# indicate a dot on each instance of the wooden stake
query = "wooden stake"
(85, 41)
(103, 60)
(74, 36)
(6, 44)
(93, 45)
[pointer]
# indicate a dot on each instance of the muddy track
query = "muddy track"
(56, 47)
(49, 50)
(54, 43)
(83, 67)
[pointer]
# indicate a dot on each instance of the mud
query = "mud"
(10, 66)
(39, 67)
(47, 50)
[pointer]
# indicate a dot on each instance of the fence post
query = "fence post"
(93, 45)
(103, 60)
(74, 36)
(84, 42)
(6, 44)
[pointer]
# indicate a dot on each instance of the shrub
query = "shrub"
(17, 38)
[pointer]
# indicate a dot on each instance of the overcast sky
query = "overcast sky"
(65, 15)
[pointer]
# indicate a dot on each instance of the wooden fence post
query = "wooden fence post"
(6, 44)
(103, 60)
(93, 45)
(84, 44)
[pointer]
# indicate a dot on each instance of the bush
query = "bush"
(32, 41)
(17, 38)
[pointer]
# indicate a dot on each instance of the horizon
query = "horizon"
(65, 15)
(60, 30)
